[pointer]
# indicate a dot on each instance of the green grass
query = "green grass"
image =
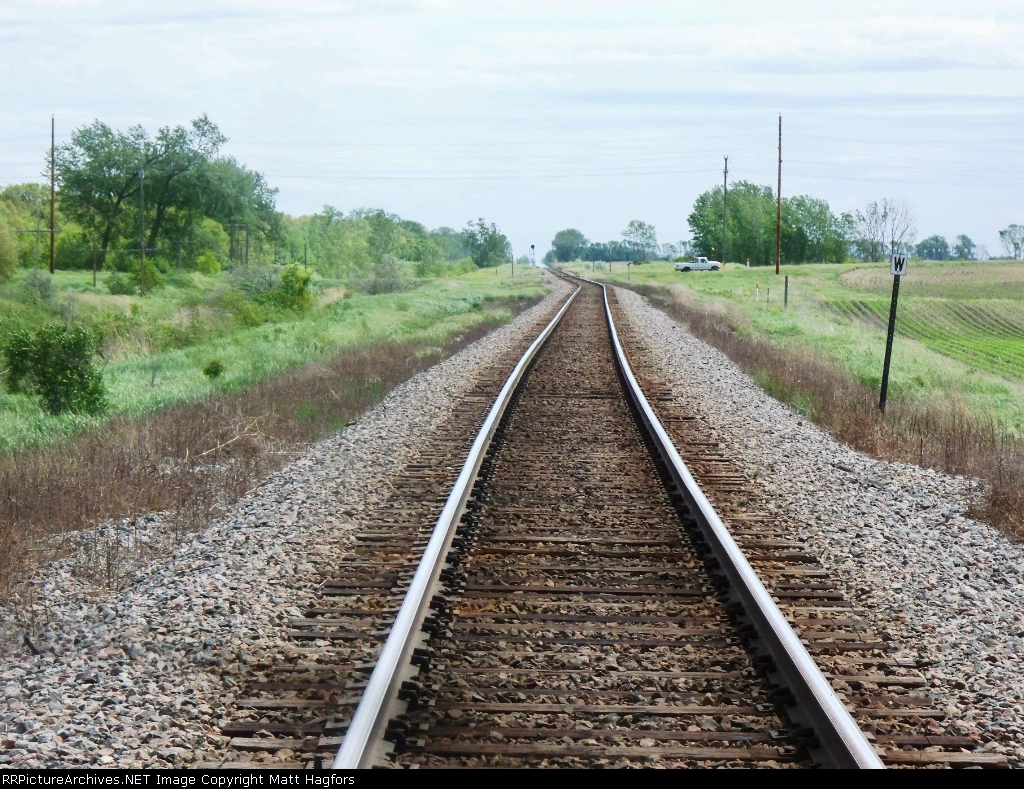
(960, 326)
(157, 345)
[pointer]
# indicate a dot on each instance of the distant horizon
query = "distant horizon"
(541, 117)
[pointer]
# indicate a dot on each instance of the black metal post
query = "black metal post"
(888, 344)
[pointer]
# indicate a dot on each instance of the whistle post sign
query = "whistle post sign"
(898, 268)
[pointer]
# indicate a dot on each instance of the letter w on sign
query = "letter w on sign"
(898, 265)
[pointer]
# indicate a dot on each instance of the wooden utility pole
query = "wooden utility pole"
(53, 190)
(725, 208)
(778, 208)
(142, 235)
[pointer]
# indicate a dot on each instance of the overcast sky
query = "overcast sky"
(544, 115)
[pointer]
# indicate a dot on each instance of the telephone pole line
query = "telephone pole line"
(53, 188)
(778, 208)
(725, 208)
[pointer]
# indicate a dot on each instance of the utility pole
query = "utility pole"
(725, 207)
(142, 234)
(53, 189)
(778, 208)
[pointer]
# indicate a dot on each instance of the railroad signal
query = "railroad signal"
(898, 268)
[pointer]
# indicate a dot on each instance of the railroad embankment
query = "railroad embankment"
(137, 678)
(946, 589)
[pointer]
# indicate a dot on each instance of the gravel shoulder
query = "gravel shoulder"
(134, 678)
(946, 588)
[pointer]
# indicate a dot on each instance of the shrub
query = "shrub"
(387, 277)
(293, 292)
(39, 284)
(56, 363)
(120, 285)
(445, 268)
(207, 263)
(246, 312)
(150, 278)
(73, 248)
(214, 369)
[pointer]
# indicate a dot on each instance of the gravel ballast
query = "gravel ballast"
(133, 678)
(944, 587)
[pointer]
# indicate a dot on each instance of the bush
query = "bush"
(128, 284)
(56, 363)
(39, 284)
(207, 263)
(387, 277)
(246, 312)
(121, 285)
(445, 268)
(151, 278)
(293, 292)
(214, 369)
(73, 248)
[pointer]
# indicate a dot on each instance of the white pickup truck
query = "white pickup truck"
(698, 264)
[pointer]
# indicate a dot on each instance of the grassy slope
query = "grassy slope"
(959, 329)
(430, 313)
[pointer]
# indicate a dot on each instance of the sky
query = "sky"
(546, 115)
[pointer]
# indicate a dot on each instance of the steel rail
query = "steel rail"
(363, 743)
(838, 734)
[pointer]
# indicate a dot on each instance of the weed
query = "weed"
(213, 369)
(946, 436)
(190, 460)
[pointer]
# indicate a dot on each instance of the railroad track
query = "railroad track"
(567, 596)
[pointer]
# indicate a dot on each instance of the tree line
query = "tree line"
(148, 205)
(639, 243)
(744, 224)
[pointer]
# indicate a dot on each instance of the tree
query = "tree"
(869, 227)
(383, 233)
(453, 243)
(751, 228)
(488, 245)
(642, 240)
(8, 248)
(885, 228)
(964, 249)
(236, 195)
(568, 244)
(1013, 241)
(900, 225)
(933, 248)
(812, 233)
(97, 172)
(174, 179)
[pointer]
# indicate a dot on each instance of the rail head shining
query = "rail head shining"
(362, 744)
(838, 734)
